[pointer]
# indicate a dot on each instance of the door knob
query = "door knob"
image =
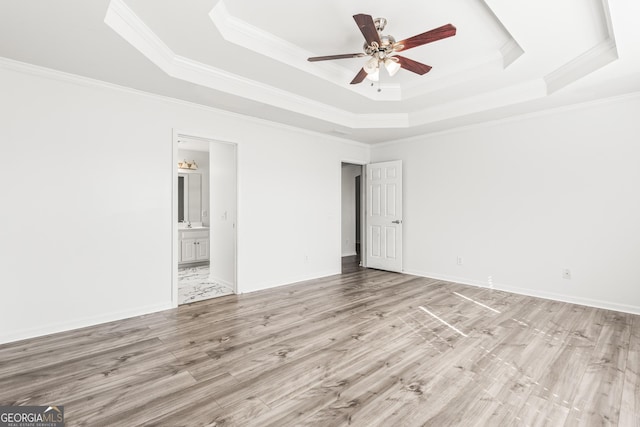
(397, 221)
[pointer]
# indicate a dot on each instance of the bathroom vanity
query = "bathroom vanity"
(194, 245)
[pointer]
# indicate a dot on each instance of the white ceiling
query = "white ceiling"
(249, 57)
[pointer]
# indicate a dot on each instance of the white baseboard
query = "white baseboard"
(222, 282)
(354, 253)
(80, 323)
(607, 305)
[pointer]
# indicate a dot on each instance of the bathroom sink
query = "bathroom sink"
(192, 226)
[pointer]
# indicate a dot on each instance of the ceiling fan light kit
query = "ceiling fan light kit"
(374, 75)
(392, 65)
(383, 48)
(371, 66)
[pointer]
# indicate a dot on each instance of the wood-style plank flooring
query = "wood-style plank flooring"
(364, 348)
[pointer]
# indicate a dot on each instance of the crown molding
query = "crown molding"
(243, 34)
(510, 52)
(521, 92)
(131, 28)
(127, 24)
(121, 19)
(597, 57)
(61, 76)
(511, 49)
(48, 73)
(489, 68)
(515, 118)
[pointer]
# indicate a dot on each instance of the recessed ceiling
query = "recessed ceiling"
(250, 57)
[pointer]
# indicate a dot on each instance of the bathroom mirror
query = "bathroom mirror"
(189, 197)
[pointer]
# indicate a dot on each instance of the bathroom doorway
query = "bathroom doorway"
(352, 217)
(204, 218)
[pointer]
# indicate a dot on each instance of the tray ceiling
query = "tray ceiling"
(250, 57)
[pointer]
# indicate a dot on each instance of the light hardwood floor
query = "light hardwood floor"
(363, 348)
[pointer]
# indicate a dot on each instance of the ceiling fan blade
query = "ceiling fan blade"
(414, 66)
(367, 28)
(424, 38)
(329, 57)
(362, 74)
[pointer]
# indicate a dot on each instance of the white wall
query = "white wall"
(87, 222)
(289, 193)
(223, 213)
(349, 174)
(521, 200)
(202, 160)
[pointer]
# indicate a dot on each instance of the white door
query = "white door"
(384, 216)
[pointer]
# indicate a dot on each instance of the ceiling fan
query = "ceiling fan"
(382, 49)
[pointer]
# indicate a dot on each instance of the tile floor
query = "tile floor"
(194, 284)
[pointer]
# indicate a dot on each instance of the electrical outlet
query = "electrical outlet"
(459, 260)
(566, 273)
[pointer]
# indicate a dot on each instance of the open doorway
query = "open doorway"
(204, 219)
(352, 217)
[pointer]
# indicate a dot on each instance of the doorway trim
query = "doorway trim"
(177, 134)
